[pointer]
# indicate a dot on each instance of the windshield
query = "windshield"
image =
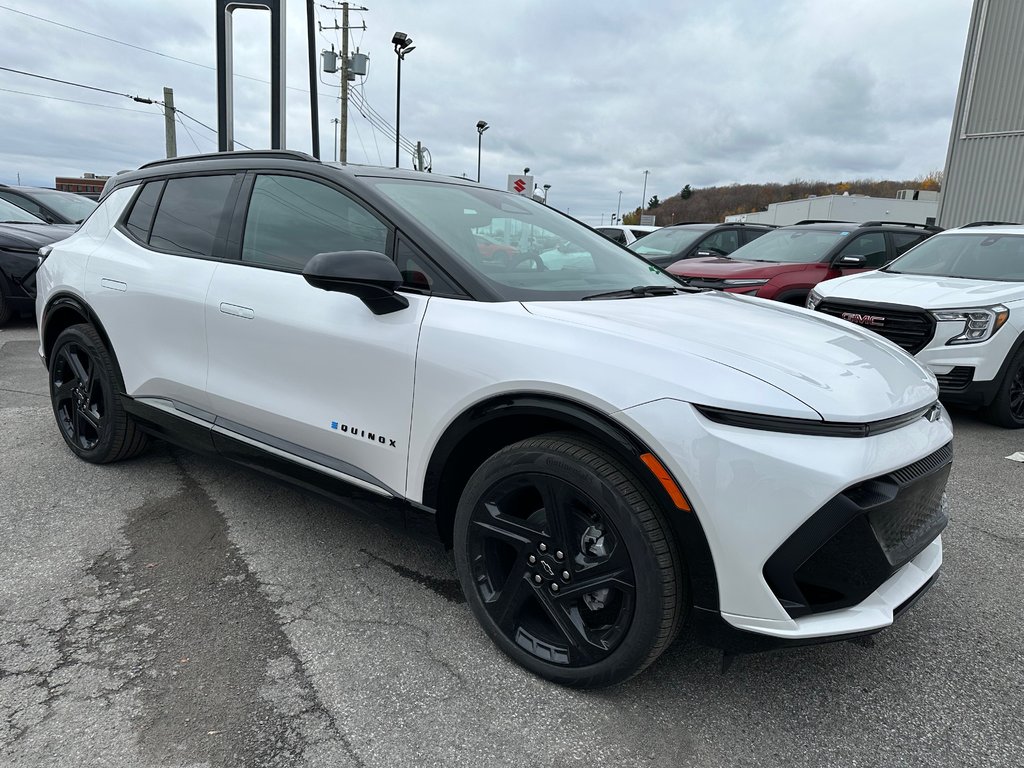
(72, 207)
(12, 214)
(524, 250)
(789, 246)
(666, 242)
(975, 255)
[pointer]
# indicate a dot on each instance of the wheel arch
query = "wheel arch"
(62, 311)
(487, 427)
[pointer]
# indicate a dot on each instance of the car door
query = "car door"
(311, 374)
(148, 283)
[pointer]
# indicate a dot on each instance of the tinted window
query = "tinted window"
(614, 234)
(23, 202)
(290, 220)
(904, 241)
(141, 217)
(871, 246)
(418, 272)
(190, 213)
(753, 234)
(724, 240)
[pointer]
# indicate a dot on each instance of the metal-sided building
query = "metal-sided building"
(984, 176)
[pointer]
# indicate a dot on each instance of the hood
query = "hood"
(33, 236)
(723, 267)
(924, 291)
(837, 370)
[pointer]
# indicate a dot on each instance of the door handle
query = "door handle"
(237, 311)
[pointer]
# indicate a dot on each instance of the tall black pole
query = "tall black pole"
(398, 108)
(314, 107)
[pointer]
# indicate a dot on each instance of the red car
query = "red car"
(787, 262)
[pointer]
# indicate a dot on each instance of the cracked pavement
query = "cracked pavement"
(177, 610)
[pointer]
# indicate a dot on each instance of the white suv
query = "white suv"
(610, 455)
(956, 302)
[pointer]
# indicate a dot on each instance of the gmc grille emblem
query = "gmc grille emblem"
(873, 320)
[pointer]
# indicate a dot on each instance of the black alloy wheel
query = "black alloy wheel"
(1007, 410)
(566, 562)
(85, 388)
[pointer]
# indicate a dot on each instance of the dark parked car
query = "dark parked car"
(686, 241)
(21, 237)
(50, 205)
(787, 263)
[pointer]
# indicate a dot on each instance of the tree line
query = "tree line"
(715, 203)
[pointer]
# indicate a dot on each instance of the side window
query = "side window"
(290, 220)
(871, 246)
(141, 218)
(904, 241)
(753, 234)
(614, 234)
(190, 213)
(24, 203)
(724, 240)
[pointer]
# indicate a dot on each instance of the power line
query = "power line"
(77, 85)
(76, 101)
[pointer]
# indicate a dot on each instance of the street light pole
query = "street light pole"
(403, 45)
(481, 126)
(618, 207)
(643, 197)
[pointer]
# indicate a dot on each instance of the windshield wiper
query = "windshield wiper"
(636, 292)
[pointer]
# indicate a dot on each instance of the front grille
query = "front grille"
(910, 328)
(860, 538)
(957, 379)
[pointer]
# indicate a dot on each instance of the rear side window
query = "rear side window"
(904, 242)
(190, 214)
(291, 220)
(141, 217)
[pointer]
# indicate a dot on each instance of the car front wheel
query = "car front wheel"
(1007, 410)
(85, 388)
(568, 563)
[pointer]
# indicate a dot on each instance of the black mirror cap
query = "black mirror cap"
(370, 276)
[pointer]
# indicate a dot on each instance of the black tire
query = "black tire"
(1007, 410)
(6, 313)
(624, 600)
(85, 388)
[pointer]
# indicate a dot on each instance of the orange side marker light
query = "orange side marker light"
(673, 490)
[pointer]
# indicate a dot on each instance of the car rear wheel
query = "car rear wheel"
(1007, 410)
(568, 563)
(85, 388)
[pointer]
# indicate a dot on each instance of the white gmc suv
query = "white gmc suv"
(610, 455)
(955, 302)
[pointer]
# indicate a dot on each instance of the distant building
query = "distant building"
(89, 185)
(911, 206)
(982, 180)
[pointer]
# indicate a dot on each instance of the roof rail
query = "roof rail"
(819, 221)
(991, 224)
(291, 154)
(929, 227)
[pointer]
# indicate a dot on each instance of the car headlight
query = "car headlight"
(813, 299)
(738, 282)
(979, 323)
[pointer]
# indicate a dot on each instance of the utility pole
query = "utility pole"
(643, 197)
(170, 137)
(345, 67)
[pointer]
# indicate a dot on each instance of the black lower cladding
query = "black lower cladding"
(860, 538)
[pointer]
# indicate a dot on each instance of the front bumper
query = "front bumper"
(752, 490)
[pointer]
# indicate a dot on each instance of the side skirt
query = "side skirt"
(202, 432)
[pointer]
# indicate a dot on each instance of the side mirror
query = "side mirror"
(703, 254)
(852, 261)
(370, 276)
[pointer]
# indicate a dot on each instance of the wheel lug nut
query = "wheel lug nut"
(543, 547)
(565, 575)
(531, 559)
(537, 578)
(559, 555)
(554, 587)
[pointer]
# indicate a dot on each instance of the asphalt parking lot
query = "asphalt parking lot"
(177, 610)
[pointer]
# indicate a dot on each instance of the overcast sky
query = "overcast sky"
(587, 94)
